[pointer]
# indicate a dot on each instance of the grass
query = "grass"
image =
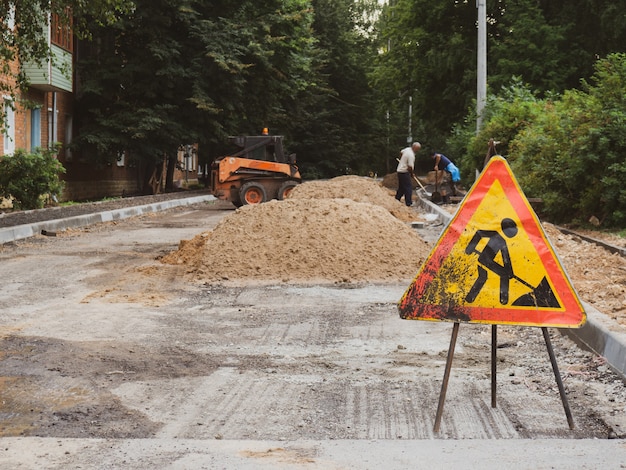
(73, 203)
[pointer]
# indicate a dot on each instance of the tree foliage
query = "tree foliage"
(206, 71)
(428, 57)
(203, 71)
(348, 92)
(429, 51)
(337, 130)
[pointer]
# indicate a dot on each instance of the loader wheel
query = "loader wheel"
(285, 189)
(252, 193)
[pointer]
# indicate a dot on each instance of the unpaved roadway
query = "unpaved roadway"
(111, 359)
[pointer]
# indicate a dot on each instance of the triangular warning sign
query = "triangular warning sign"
(494, 264)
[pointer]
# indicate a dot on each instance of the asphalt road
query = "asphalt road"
(112, 360)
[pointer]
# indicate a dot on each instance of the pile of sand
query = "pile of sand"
(317, 235)
(358, 189)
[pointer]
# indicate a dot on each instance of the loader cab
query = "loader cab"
(268, 148)
(256, 171)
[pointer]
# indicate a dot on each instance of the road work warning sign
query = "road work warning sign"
(494, 264)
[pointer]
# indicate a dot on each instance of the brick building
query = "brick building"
(44, 115)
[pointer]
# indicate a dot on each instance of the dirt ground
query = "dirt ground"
(276, 321)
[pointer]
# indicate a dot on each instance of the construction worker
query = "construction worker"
(406, 165)
(444, 163)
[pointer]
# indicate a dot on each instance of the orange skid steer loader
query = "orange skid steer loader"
(258, 172)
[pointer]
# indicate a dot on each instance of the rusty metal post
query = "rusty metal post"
(494, 347)
(557, 375)
(446, 377)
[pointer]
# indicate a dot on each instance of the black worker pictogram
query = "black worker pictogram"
(540, 296)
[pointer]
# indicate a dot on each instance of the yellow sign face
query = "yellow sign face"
(493, 264)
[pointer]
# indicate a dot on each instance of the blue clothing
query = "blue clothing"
(446, 164)
(454, 172)
(443, 161)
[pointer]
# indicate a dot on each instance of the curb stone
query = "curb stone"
(19, 232)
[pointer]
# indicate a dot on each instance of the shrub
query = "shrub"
(568, 150)
(27, 177)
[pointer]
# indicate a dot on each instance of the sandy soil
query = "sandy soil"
(598, 275)
(314, 236)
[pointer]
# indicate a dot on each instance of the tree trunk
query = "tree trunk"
(169, 176)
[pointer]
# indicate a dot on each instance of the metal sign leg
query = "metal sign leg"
(446, 377)
(494, 347)
(557, 375)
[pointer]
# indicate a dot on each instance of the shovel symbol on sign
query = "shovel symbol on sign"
(539, 296)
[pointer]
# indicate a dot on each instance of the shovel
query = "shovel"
(436, 196)
(422, 186)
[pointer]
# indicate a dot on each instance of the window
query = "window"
(35, 128)
(61, 32)
(9, 128)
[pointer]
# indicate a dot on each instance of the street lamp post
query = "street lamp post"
(481, 62)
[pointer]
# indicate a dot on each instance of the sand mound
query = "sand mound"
(356, 188)
(309, 238)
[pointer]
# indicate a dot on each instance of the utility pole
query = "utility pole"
(481, 63)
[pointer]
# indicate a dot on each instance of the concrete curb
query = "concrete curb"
(599, 334)
(443, 216)
(18, 232)
(365, 454)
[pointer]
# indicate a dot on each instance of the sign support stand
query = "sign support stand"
(557, 375)
(446, 376)
(494, 347)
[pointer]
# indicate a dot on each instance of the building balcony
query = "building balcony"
(52, 75)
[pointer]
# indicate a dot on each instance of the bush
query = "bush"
(27, 177)
(568, 150)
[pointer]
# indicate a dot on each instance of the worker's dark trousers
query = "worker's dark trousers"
(405, 188)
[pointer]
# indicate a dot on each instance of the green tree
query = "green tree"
(253, 64)
(429, 56)
(338, 131)
(522, 43)
(429, 53)
(567, 151)
(573, 153)
(203, 72)
(591, 29)
(134, 98)
(505, 116)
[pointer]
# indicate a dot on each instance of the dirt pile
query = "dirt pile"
(358, 189)
(312, 236)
